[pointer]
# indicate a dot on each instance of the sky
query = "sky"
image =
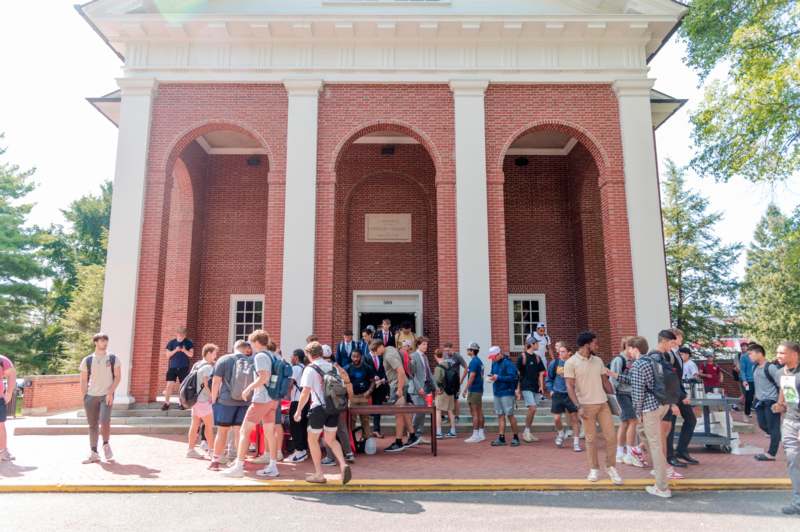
(51, 63)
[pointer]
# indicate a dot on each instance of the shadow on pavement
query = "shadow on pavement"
(130, 470)
(385, 503)
(12, 470)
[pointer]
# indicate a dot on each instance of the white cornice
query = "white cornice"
(468, 87)
(142, 86)
(633, 87)
(303, 87)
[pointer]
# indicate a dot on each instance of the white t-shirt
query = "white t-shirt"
(689, 370)
(312, 379)
(297, 375)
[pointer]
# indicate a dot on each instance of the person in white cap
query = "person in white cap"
(504, 376)
(542, 339)
(474, 393)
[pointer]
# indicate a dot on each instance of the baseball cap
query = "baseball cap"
(370, 328)
(474, 346)
(493, 352)
(327, 352)
(540, 325)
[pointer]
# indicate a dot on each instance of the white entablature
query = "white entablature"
(385, 40)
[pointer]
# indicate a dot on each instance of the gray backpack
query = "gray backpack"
(334, 390)
(241, 377)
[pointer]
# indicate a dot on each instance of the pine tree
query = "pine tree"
(19, 268)
(698, 264)
(82, 318)
(770, 295)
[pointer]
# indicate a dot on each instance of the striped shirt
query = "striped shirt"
(642, 382)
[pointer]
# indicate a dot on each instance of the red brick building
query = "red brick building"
(313, 166)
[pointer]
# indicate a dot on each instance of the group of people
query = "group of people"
(644, 387)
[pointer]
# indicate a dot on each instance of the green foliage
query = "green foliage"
(19, 268)
(82, 318)
(698, 265)
(770, 295)
(749, 124)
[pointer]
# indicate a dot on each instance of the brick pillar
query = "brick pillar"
(273, 292)
(498, 275)
(447, 278)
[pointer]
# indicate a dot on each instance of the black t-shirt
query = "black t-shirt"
(361, 376)
(180, 359)
(529, 374)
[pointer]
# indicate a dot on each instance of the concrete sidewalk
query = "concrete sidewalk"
(158, 463)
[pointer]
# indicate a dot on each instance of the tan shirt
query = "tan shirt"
(588, 375)
(102, 375)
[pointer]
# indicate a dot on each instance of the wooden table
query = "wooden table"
(396, 410)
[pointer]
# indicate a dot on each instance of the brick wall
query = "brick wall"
(373, 183)
(51, 393)
(588, 113)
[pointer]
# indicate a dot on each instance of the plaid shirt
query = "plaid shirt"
(642, 381)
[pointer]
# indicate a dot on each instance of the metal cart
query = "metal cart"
(707, 437)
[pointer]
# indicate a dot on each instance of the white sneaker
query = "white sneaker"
(614, 475)
(107, 452)
(439, 436)
(594, 475)
(473, 438)
(235, 471)
(620, 457)
(94, 458)
(560, 438)
(289, 459)
(192, 453)
(204, 446)
(6, 456)
(268, 472)
(300, 456)
(263, 459)
(481, 437)
(576, 446)
(631, 460)
(653, 490)
(526, 436)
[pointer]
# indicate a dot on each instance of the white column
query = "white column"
(125, 232)
(644, 207)
(472, 218)
(299, 234)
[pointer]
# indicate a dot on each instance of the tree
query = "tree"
(19, 268)
(770, 295)
(698, 265)
(749, 124)
(82, 318)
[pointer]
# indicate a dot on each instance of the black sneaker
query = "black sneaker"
(515, 441)
(349, 458)
(394, 448)
(499, 442)
(165, 407)
(413, 441)
(790, 510)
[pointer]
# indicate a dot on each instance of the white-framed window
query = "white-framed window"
(246, 315)
(524, 312)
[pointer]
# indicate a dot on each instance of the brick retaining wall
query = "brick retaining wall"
(51, 393)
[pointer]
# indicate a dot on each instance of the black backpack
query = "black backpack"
(90, 359)
(452, 378)
(190, 388)
(666, 383)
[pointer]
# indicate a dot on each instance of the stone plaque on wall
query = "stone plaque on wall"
(387, 228)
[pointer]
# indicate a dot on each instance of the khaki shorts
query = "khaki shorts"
(475, 398)
(445, 402)
(264, 412)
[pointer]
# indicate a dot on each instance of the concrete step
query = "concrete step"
(61, 430)
(150, 413)
(81, 421)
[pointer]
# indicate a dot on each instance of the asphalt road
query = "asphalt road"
(421, 512)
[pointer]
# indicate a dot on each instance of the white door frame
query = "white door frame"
(387, 306)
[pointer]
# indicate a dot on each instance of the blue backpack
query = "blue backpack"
(280, 378)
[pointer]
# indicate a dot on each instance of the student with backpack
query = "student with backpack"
(100, 376)
(266, 391)
(199, 381)
(322, 385)
(447, 377)
(766, 376)
(531, 383)
(626, 433)
(8, 373)
(650, 407)
(233, 373)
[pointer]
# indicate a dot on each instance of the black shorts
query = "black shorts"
(319, 420)
(562, 403)
(669, 416)
(3, 410)
(177, 373)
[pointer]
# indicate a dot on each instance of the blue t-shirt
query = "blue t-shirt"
(476, 366)
(180, 359)
(747, 366)
(361, 376)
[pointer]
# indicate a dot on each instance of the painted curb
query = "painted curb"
(451, 485)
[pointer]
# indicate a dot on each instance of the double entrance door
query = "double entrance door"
(371, 307)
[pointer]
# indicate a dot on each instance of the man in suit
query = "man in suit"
(374, 358)
(366, 339)
(385, 334)
(679, 457)
(345, 349)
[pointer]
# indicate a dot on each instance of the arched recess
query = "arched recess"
(390, 169)
(214, 235)
(551, 175)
